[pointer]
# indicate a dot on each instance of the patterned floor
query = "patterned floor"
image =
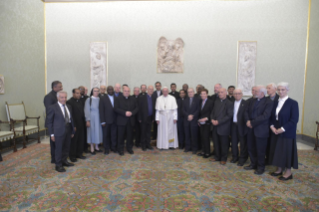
(151, 181)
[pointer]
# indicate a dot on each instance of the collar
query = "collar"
(61, 105)
(283, 99)
(238, 101)
(95, 97)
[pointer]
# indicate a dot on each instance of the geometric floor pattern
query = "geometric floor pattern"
(149, 181)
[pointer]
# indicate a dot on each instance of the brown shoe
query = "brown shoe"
(214, 160)
(223, 162)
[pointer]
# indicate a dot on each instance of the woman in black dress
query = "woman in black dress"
(283, 124)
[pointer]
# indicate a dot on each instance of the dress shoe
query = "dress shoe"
(206, 156)
(144, 149)
(200, 154)
(234, 160)
(66, 163)
(73, 160)
(274, 174)
(60, 169)
(259, 171)
(180, 147)
(121, 153)
(82, 157)
(52, 161)
(130, 151)
(214, 160)
(222, 162)
(187, 150)
(106, 153)
(194, 152)
(240, 164)
(138, 145)
(98, 150)
(171, 148)
(150, 148)
(92, 153)
(86, 151)
(286, 178)
(250, 167)
(114, 150)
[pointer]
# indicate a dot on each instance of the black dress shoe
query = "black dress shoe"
(130, 151)
(187, 150)
(114, 150)
(66, 163)
(259, 172)
(52, 161)
(206, 156)
(285, 179)
(171, 148)
(240, 164)
(250, 167)
(144, 149)
(82, 157)
(200, 154)
(92, 153)
(194, 152)
(138, 145)
(98, 150)
(106, 153)
(121, 153)
(150, 148)
(274, 174)
(73, 160)
(60, 169)
(86, 151)
(234, 160)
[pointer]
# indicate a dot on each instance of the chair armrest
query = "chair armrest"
(4, 122)
(33, 117)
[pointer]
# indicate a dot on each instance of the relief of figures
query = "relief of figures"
(170, 56)
(98, 67)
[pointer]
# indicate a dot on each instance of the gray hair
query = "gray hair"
(136, 87)
(58, 94)
(262, 89)
(191, 89)
(143, 85)
(284, 84)
(219, 84)
(238, 89)
(165, 87)
(273, 85)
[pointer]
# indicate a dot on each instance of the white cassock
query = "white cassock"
(166, 113)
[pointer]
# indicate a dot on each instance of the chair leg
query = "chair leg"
(39, 137)
(14, 145)
(24, 141)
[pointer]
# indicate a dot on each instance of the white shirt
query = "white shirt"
(281, 102)
(62, 109)
(158, 93)
(236, 108)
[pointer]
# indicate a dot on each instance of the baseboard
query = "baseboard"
(306, 138)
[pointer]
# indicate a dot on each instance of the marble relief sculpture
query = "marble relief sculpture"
(170, 56)
(98, 59)
(1, 84)
(246, 67)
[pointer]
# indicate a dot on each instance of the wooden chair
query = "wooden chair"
(317, 137)
(8, 135)
(17, 114)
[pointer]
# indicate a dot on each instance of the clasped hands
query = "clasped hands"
(276, 131)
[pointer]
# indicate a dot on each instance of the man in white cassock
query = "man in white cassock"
(166, 118)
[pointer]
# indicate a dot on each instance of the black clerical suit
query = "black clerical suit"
(125, 124)
(191, 107)
(231, 98)
(50, 99)
(76, 147)
(146, 115)
(206, 108)
(223, 113)
(85, 144)
(258, 113)
(155, 95)
(108, 117)
(238, 133)
(61, 126)
(180, 123)
(137, 126)
(175, 94)
(275, 100)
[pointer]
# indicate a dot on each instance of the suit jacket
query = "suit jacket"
(143, 109)
(49, 99)
(120, 94)
(142, 94)
(121, 106)
(107, 112)
(137, 101)
(288, 118)
(223, 112)
(180, 103)
(260, 123)
(56, 122)
(191, 110)
(102, 95)
(214, 97)
(206, 110)
(77, 112)
(83, 99)
(241, 123)
(231, 98)
(175, 94)
(155, 94)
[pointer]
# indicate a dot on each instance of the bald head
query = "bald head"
(102, 89)
(217, 87)
(222, 93)
(117, 87)
(150, 90)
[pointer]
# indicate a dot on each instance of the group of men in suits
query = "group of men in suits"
(224, 116)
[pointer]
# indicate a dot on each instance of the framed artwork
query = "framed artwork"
(170, 55)
(246, 66)
(98, 64)
(1, 84)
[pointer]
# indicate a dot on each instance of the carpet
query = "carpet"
(149, 181)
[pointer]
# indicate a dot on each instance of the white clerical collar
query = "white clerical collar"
(95, 97)
(238, 101)
(283, 99)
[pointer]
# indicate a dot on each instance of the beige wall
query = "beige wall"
(311, 110)
(22, 55)
(210, 30)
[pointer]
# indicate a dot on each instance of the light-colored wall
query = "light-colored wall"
(22, 55)
(311, 110)
(210, 30)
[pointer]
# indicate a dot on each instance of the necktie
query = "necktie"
(66, 115)
(203, 103)
(190, 102)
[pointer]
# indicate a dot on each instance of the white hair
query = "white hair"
(191, 89)
(239, 89)
(58, 94)
(165, 87)
(262, 89)
(273, 85)
(220, 85)
(284, 84)
(136, 87)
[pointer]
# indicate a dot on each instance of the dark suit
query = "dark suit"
(76, 147)
(180, 123)
(0, 157)
(108, 116)
(191, 127)
(146, 119)
(61, 130)
(175, 94)
(275, 100)
(154, 95)
(125, 124)
(231, 98)
(205, 111)
(258, 112)
(85, 144)
(137, 127)
(222, 112)
(238, 133)
(118, 94)
(50, 99)
(142, 94)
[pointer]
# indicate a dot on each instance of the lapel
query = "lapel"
(260, 102)
(205, 105)
(60, 110)
(109, 100)
(284, 105)
(240, 108)
(222, 105)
